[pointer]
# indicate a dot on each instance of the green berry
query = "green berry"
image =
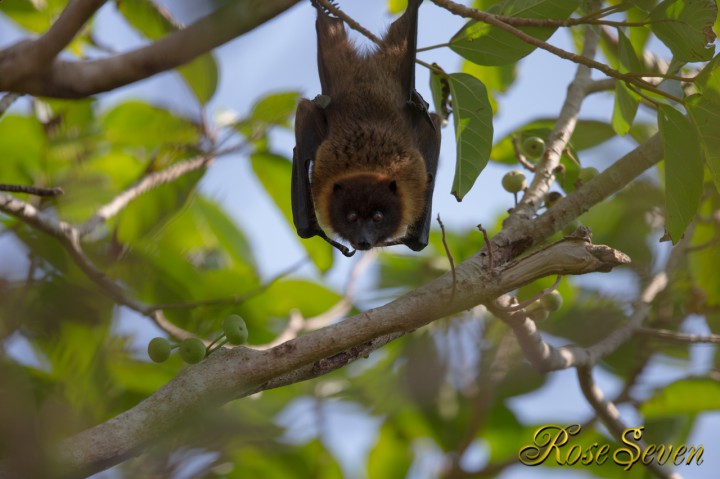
(192, 350)
(587, 174)
(159, 349)
(552, 302)
(514, 181)
(235, 329)
(552, 198)
(571, 227)
(533, 147)
(538, 315)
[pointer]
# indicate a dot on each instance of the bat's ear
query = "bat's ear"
(402, 37)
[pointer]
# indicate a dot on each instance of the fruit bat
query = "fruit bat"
(367, 148)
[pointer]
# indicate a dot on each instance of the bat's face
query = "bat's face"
(365, 210)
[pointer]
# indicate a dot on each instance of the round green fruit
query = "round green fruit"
(538, 315)
(514, 181)
(235, 329)
(533, 147)
(571, 227)
(159, 349)
(552, 198)
(192, 350)
(552, 301)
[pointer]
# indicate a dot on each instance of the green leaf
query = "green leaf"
(706, 117)
(154, 22)
(22, 146)
(274, 172)
(151, 211)
(626, 105)
(138, 124)
(496, 79)
(439, 97)
(276, 108)
(391, 456)
(685, 26)
(472, 116)
(704, 261)
(683, 170)
(629, 61)
(201, 76)
(687, 396)
(488, 45)
(708, 81)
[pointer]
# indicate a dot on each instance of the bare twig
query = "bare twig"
(610, 416)
(69, 237)
(488, 246)
(680, 337)
(349, 21)
(520, 157)
(151, 182)
(31, 190)
(449, 256)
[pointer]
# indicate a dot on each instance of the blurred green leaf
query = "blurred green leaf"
(22, 145)
(472, 116)
(138, 124)
(274, 172)
(686, 396)
(392, 455)
(683, 170)
(706, 118)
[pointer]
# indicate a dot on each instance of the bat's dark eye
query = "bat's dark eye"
(377, 217)
(352, 217)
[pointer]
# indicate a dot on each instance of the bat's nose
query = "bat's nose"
(363, 245)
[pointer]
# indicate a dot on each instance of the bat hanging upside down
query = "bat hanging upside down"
(366, 149)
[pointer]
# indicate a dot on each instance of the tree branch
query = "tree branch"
(548, 358)
(230, 374)
(30, 56)
(680, 337)
(78, 79)
(610, 416)
(491, 19)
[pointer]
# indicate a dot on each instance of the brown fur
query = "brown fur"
(368, 130)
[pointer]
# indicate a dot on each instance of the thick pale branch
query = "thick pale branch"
(228, 374)
(77, 79)
(31, 56)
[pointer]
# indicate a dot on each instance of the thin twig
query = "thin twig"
(449, 256)
(32, 190)
(610, 416)
(488, 245)
(519, 155)
(151, 182)
(680, 337)
(349, 21)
